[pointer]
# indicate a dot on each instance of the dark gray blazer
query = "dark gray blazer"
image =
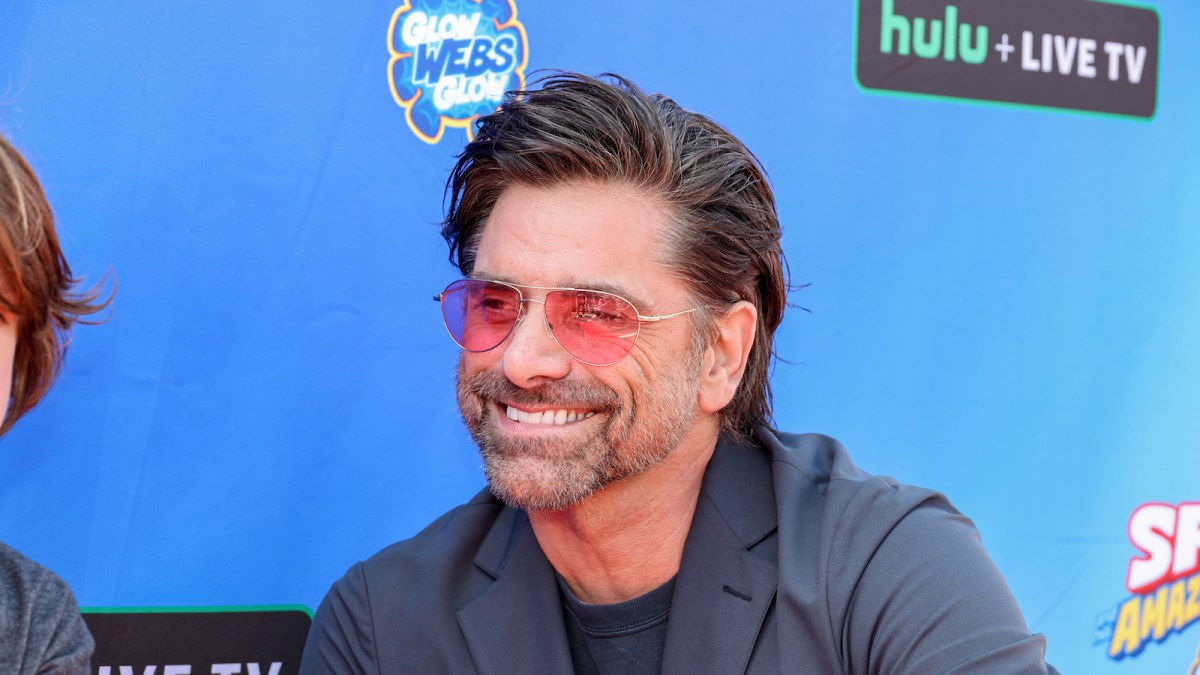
(797, 562)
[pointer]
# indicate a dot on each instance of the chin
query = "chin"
(537, 484)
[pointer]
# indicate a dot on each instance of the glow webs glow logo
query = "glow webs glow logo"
(1164, 580)
(452, 60)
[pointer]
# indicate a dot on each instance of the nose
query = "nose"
(531, 355)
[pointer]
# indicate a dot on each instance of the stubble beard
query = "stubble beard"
(556, 473)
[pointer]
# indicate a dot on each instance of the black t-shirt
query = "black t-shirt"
(626, 638)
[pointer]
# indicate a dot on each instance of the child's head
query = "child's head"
(38, 299)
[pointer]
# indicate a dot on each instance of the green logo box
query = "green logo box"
(1069, 54)
(198, 640)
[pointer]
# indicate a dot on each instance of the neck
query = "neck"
(627, 539)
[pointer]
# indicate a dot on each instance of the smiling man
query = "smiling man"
(623, 282)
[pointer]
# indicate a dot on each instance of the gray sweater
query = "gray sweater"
(41, 630)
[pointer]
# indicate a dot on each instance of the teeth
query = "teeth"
(555, 417)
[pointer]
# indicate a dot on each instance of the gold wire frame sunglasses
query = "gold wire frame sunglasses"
(595, 327)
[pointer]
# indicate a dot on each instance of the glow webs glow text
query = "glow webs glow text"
(452, 61)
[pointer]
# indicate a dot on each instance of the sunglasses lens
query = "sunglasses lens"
(480, 314)
(596, 328)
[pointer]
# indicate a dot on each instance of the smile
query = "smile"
(557, 417)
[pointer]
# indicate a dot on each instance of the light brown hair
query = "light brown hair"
(36, 285)
(724, 242)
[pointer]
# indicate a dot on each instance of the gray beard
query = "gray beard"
(552, 474)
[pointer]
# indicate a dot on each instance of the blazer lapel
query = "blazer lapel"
(516, 625)
(728, 575)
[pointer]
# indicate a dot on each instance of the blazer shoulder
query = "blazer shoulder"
(443, 551)
(398, 606)
(819, 461)
(822, 494)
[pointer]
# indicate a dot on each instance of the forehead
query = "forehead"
(581, 234)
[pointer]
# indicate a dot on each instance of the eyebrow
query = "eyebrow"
(643, 305)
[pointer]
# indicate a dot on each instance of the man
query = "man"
(624, 280)
(41, 630)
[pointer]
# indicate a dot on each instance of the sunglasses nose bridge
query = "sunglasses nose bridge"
(523, 302)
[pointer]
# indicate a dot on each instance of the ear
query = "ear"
(725, 359)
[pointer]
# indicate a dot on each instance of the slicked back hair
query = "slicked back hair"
(36, 286)
(723, 236)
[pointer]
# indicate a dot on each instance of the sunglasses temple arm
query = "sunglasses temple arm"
(662, 317)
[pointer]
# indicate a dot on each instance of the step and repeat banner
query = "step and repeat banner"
(992, 208)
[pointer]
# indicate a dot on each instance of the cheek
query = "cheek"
(629, 381)
(471, 364)
(465, 372)
(668, 368)
(649, 365)
(8, 348)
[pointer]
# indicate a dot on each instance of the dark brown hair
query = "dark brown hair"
(724, 242)
(36, 286)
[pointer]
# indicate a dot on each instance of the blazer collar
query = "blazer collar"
(725, 585)
(728, 576)
(516, 625)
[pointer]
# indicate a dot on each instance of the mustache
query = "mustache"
(491, 385)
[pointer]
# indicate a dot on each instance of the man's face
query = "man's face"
(551, 429)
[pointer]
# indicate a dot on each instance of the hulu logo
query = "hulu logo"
(947, 38)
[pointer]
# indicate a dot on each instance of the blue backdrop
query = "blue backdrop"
(1003, 300)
